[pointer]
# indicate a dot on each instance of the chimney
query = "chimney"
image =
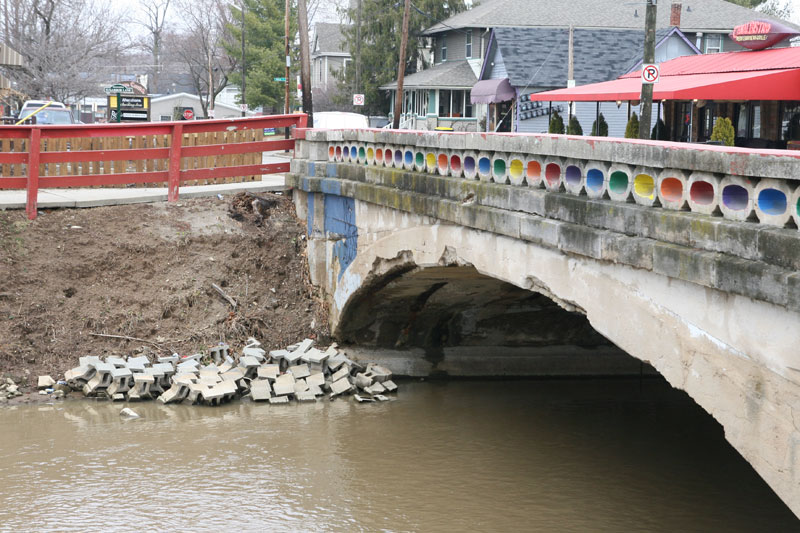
(675, 15)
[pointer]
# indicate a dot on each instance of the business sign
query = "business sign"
(133, 116)
(188, 114)
(134, 102)
(358, 99)
(118, 88)
(760, 34)
(650, 73)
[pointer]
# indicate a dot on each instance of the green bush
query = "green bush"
(574, 126)
(723, 131)
(556, 124)
(603, 127)
(660, 132)
(632, 129)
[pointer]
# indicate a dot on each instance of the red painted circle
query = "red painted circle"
(188, 114)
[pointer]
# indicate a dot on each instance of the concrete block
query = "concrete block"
(253, 351)
(335, 361)
(260, 390)
(362, 399)
(283, 385)
(176, 393)
(305, 345)
(46, 382)
(82, 373)
(381, 398)
(278, 399)
(128, 413)
(118, 362)
(341, 373)
(119, 397)
(89, 360)
(317, 379)
(341, 386)
(184, 379)
(314, 356)
(219, 353)
(300, 386)
(138, 364)
(306, 396)
(378, 373)
(173, 359)
(224, 367)
(292, 358)
(269, 372)
(187, 366)
(375, 388)
(166, 369)
(315, 390)
(389, 385)
(362, 381)
(300, 371)
(234, 374)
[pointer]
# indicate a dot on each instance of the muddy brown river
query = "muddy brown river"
(588, 455)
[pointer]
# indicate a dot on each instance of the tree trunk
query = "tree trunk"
(305, 62)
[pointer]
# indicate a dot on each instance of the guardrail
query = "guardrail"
(35, 157)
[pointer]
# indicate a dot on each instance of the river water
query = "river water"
(584, 455)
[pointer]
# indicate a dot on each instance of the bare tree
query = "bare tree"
(63, 43)
(199, 48)
(154, 21)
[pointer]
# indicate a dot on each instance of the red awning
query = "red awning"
(751, 85)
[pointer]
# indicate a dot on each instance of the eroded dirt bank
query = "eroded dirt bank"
(146, 271)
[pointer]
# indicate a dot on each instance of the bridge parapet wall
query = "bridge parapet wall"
(732, 183)
(607, 199)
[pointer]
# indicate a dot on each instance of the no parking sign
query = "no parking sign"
(650, 73)
(358, 99)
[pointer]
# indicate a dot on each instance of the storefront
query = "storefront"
(759, 91)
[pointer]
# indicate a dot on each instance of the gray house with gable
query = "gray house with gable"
(607, 39)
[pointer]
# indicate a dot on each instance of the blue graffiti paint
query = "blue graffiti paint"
(340, 223)
(331, 187)
(312, 169)
(330, 171)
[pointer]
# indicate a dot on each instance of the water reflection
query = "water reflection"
(471, 455)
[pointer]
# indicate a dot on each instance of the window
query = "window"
(713, 43)
(755, 121)
(741, 121)
(455, 104)
(468, 50)
(790, 124)
(344, 65)
(444, 48)
(444, 103)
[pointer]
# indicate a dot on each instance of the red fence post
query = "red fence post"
(174, 176)
(33, 173)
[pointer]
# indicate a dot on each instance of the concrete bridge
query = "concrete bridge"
(551, 255)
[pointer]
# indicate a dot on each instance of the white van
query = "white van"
(337, 120)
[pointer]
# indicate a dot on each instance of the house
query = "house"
(171, 106)
(328, 56)
(704, 27)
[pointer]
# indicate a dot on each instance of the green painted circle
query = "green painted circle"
(618, 182)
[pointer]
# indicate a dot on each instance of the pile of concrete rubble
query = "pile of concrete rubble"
(300, 372)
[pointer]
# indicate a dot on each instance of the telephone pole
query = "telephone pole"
(401, 68)
(305, 62)
(286, 51)
(244, 70)
(649, 58)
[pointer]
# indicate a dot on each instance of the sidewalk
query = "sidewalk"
(53, 198)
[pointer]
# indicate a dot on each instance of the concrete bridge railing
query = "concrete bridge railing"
(687, 257)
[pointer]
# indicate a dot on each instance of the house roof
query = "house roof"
(447, 75)
(329, 39)
(538, 57)
(178, 96)
(696, 15)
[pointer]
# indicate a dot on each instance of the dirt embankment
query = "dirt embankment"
(145, 272)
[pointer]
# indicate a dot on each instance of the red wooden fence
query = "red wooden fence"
(74, 159)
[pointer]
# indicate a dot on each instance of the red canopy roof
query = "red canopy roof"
(764, 75)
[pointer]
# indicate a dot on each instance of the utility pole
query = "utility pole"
(244, 70)
(286, 53)
(305, 62)
(357, 84)
(649, 58)
(210, 105)
(401, 68)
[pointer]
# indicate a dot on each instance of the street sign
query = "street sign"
(279, 79)
(243, 107)
(118, 88)
(211, 113)
(650, 73)
(188, 114)
(358, 99)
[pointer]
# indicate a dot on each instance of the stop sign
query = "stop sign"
(188, 114)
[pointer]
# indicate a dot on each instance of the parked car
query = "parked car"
(334, 120)
(54, 112)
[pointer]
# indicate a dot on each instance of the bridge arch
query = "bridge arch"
(718, 347)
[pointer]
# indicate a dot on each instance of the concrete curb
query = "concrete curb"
(59, 198)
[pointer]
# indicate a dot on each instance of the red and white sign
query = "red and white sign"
(650, 73)
(760, 34)
(358, 99)
(188, 114)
